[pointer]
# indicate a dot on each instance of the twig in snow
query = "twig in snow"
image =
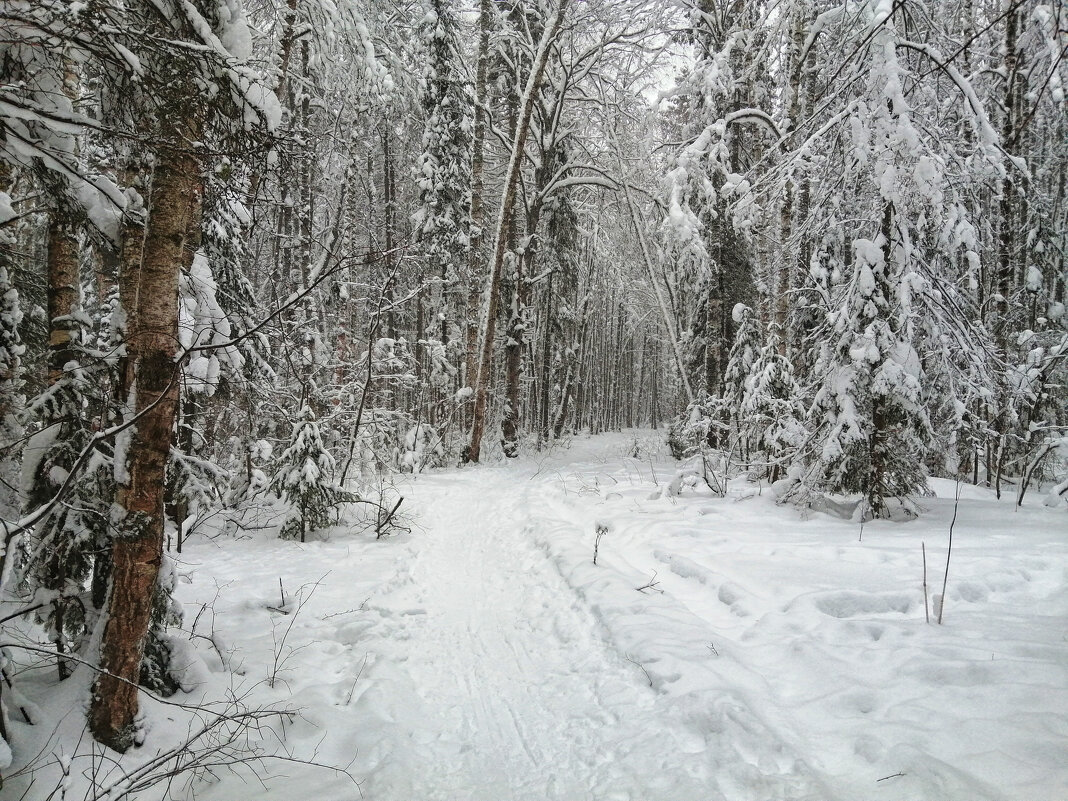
(387, 520)
(639, 664)
(949, 552)
(352, 689)
(602, 529)
(891, 776)
(652, 585)
(712, 647)
(282, 654)
(926, 606)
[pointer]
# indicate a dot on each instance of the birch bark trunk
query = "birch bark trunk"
(504, 224)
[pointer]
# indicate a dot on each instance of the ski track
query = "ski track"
(517, 695)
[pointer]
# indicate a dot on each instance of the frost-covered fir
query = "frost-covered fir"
(772, 415)
(305, 480)
(744, 353)
(869, 425)
(443, 171)
(11, 351)
(63, 557)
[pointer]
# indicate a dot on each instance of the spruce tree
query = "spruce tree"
(772, 415)
(443, 170)
(62, 551)
(743, 355)
(11, 351)
(305, 480)
(869, 425)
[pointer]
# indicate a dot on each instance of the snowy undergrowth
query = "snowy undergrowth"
(483, 656)
(812, 633)
(266, 663)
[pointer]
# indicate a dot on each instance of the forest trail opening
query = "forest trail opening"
(772, 654)
(519, 694)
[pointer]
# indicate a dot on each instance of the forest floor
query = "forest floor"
(776, 654)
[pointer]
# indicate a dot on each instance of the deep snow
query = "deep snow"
(484, 657)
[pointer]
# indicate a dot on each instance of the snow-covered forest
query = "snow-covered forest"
(661, 400)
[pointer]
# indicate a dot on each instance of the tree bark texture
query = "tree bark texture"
(152, 378)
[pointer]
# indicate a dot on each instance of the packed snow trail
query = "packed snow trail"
(517, 695)
(780, 655)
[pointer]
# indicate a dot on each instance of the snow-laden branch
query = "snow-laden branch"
(28, 521)
(980, 122)
(647, 257)
(754, 115)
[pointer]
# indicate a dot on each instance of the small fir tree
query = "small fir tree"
(771, 413)
(744, 353)
(305, 479)
(11, 351)
(59, 557)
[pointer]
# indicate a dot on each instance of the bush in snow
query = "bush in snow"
(159, 671)
(305, 479)
(423, 447)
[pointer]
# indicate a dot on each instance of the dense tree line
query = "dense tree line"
(282, 248)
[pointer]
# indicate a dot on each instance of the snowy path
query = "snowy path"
(518, 697)
(484, 657)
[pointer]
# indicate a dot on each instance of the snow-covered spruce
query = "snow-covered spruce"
(304, 479)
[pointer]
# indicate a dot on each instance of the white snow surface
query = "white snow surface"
(483, 657)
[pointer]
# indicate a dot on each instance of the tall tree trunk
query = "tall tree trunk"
(62, 296)
(654, 393)
(546, 364)
(1006, 270)
(9, 350)
(476, 263)
(504, 224)
(151, 289)
(188, 418)
(1003, 279)
(516, 336)
(389, 188)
